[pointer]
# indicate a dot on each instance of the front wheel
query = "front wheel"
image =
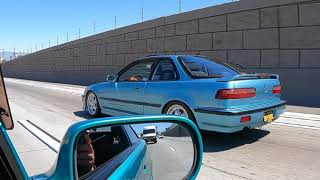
(92, 105)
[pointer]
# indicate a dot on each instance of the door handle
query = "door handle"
(145, 169)
(136, 88)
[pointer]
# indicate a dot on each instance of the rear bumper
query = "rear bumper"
(235, 112)
(228, 120)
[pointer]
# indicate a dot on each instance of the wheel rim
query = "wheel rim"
(92, 103)
(178, 110)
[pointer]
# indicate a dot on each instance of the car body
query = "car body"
(191, 86)
(150, 134)
(160, 136)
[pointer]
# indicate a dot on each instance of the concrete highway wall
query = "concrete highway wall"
(277, 36)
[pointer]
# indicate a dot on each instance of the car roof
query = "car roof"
(172, 56)
(150, 127)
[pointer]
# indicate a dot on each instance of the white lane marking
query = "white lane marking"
(51, 86)
(171, 148)
(296, 126)
(50, 142)
(301, 116)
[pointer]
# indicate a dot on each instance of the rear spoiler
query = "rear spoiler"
(253, 76)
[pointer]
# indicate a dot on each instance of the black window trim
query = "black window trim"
(128, 136)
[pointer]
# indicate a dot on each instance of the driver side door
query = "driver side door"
(130, 87)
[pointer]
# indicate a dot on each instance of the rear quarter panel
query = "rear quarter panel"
(194, 93)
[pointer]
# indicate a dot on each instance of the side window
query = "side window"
(138, 72)
(132, 135)
(95, 147)
(165, 71)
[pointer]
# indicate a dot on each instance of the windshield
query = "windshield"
(148, 131)
(198, 67)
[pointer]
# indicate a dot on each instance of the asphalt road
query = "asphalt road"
(286, 149)
(172, 157)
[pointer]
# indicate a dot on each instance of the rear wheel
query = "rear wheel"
(92, 105)
(179, 109)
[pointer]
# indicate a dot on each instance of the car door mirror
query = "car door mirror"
(5, 114)
(111, 78)
(110, 148)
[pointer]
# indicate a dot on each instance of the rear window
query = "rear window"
(198, 67)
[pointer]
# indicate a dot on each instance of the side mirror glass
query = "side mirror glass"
(111, 78)
(148, 147)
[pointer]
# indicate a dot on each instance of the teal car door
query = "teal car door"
(130, 87)
(162, 85)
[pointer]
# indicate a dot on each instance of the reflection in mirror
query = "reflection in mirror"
(149, 151)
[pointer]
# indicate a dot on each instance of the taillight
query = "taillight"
(245, 119)
(236, 93)
(276, 89)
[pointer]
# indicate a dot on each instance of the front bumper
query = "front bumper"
(228, 120)
(83, 102)
(149, 138)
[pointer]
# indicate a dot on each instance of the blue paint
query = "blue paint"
(132, 168)
(195, 93)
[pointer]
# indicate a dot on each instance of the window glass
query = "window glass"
(149, 131)
(138, 72)
(132, 135)
(165, 71)
(199, 67)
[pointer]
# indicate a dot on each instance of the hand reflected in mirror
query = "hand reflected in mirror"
(85, 155)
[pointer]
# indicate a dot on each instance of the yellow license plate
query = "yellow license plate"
(268, 117)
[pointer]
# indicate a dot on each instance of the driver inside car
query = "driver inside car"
(85, 155)
(135, 78)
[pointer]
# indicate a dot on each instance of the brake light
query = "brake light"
(245, 119)
(236, 93)
(276, 89)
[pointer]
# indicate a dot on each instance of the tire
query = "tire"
(92, 105)
(179, 109)
(155, 141)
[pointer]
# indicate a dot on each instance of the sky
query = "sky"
(26, 24)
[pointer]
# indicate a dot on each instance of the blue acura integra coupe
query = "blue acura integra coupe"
(216, 95)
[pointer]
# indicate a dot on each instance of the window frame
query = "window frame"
(174, 68)
(189, 74)
(129, 128)
(125, 69)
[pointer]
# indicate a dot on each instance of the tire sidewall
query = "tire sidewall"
(98, 110)
(189, 112)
